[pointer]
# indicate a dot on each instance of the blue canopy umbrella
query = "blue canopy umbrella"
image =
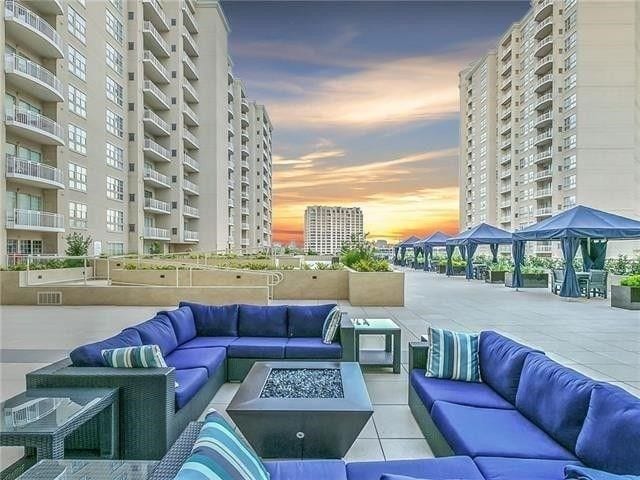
(437, 239)
(468, 241)
(408, 243)
(569, 227)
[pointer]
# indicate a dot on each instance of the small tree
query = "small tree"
(77, 245)
(155, 248)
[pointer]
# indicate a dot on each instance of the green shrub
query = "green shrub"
(371, 265)
(632, 281)
(501, 266)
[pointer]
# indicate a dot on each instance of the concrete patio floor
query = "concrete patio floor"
(586, 335)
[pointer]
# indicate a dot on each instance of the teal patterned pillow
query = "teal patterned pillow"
(144, 356)
(330, 326)
(453, 355)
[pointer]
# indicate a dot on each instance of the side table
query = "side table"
(390, 356)
(90, 470)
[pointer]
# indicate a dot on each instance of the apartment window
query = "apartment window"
(115, 248)
(24, 247)
(570, 21)
(77, 101)
(115, 188)
(570, 102)
(114, 27)
(115, 156)
(570, 142)
(77, 25)
(77, 139)
(569, 201)
(115, 124)
(77, 63)
(77, 177)
(77, 215)
(114, 59)
(570, 122)
(570, 41)
(570, 81)
(570, 162)
(114, 91)
(117, 4)
(569, 3)
(570, 61)
(115, 220)
(569, 182)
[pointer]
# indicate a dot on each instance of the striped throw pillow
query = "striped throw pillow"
(453, 355)
(220, 454)
(144, 356)
(330, 326)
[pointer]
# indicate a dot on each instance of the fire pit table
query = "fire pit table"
(302, 409)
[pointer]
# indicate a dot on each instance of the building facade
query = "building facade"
(116, 125)
(327, 229)
(550, 118)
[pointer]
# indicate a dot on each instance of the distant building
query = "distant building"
(383, 249)
(326, 229)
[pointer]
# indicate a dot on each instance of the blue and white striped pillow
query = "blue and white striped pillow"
(453, 355)
(220, 454)
(331, 324)
(144, 356)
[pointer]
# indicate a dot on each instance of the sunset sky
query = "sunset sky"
(364, 101)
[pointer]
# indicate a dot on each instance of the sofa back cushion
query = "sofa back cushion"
(501, 362)
(90, 355)
(214, 320)
(183, 323)
(158, 331)
(307, 320)
(262, 321)
(554, 397)
(610, 437)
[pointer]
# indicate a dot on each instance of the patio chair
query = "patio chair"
(598, 283)
(558, 278)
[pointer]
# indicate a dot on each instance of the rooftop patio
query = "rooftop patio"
(589, 336)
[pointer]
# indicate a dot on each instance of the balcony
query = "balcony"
(505, 129)
(190, 140)
(244, 164)
(544, 83)
(245, 226)
(50, 7)
(34, 32)
(231, 165)
(544, 65)
(244, 196)
(35, 174)
(544, 28)
(155, 178)
(33, 126)
(544, 156)
(154, 97)
(189, 44)
(506, 98)
(189, 68)
(231, 184)
(544, 101)
(544, 47)
(155, 151)
(506, 84)
(506, 113)
(505, 188)
(190, 163)
(190, 236)
(230, 130)
(544, 137)
(244, 211)
(505, 159)
(545, 174)
(187, 19)
(231, 222)
(35, 221)
(244, 180)
(506, 144)
(190, 117)
(230, 146)
(154, 124)
(191, 212)
(244, 104)
(244, 149)
(244, 118)
(154, 41)
(505, 173)
(152, 10)
(543, 193)
(190, 187)
(230, 95)
(543, 9)
(32, 77)
(506, 69)
(505, 219)
(244, 242)
(190, 94)
(544, 120)
(153, 69)
(154, 205)
(544, 212)
(155, 233)
(244, 135)
(231, 203)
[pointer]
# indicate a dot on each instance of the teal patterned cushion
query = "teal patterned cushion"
(453, 355)
(330, 326)
(145, 356)
(220, 454)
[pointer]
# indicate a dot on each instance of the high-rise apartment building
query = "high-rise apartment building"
(116, 124)
(327, 229)
(550, 117)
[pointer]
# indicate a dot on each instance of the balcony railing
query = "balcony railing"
(190, 115)
(189, 185)
(191, 96)
(543, 62)
(190, 70)
(157, 149)
(544, 136)
(505, 173)
(543, 174)
(191, 211)
(244, 179)
(163, 74)
(544, 192)
(156, 204)
(188, 19)
(161, 45)
(543, 27)
(543, 248)
(191, 138)
(21, 219)
(540, 212)
(244, 211)
(544, 82)
(33, 171)
(231, 165)
(159, 123)
(230, 146)
(506, 144)
(544, 46)
(544, 155)
(191, 162)
(157, 233)
(542, 100)
(36, 122)
(14, 11)
(160, 97)
(505, 159)
(157, 12)
(35, 73)
(190, 236)
(543, 9)
(155, 176)
(190, 45)
(545, 118)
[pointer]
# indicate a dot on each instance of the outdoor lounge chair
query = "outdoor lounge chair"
(597, 284)
(558, 278)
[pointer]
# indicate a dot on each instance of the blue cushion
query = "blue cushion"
(257, 347)
(493, 432)
(554, 397)
(307, 320)
(262, 321)
(610, 437)
(306, 469)
(445, 468)
(464, 393)
(189, 382)
(214, 320)
(207, 342)
(158, 331)
(90, 355)
(393, 476)
(209, 358)
(183, 323)
(453, 355)
(501, 362)
(312, 348)
(496, 468)
(576, 472)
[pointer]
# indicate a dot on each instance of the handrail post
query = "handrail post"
(108, 271)
(177, 276)
(28, 268)
(84, 272)
(191, 276)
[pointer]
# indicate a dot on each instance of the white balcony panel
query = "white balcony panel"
(155, 151)
(154, 205)
(155, 233)
(35, 220)
(29, 76)
(153, 11)
(35, 174)
(154, 124)
(153, 40)
(155, 178)
(190, 163)
(154, 97)
(191, 212)
(153, 68)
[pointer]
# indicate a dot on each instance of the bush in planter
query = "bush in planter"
(371, 265)
(501, 266)
(632, 281)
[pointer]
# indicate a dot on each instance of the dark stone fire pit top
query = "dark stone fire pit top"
(303, 383)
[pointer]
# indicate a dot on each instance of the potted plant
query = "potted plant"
(535, 273)
(627, 294)
(497, 271)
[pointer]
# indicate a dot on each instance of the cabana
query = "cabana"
(402, 248)
(468, 241)
(437, 239)
(577, 226)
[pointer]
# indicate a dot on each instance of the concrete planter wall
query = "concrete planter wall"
(284, 262)
(313, 285)
(494, 277)
(529, 280)
(57, 275)
(625, 297)
(376, 288)
(186, 278)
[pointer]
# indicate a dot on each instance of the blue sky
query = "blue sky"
(364, 101)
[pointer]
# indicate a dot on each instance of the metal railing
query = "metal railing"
(148, 27)
(30, 119)
(150, 57)
(157, 148)
(189, 111)
(191, 162)
(191, 66)
(20, 13)
(189, 210)
(151, 174)
(192, 43)
(153, 117)
(186, 84)
(187, 135)
(40, 171)
(20, 64)
(191, 236)
(157, 204)
(189, 185)
(155, 4)
(155, 90)
(34, 219)
(155, 232)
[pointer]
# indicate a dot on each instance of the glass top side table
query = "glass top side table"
(390, 356)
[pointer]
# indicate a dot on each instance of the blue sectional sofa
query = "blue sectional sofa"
(204, 346)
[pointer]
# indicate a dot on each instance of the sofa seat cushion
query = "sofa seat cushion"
(312, 348)
(554, 397)
(444, 468)
(493, 432)
(207, 342)
(306, 469)
(501, 362)
(262, 321)
(474, 394)
(307, 320)
(214, 320)
(209, 358)
(499, 468)
(158, 331)
(257, 347)
(188, 382)
(183, 323)
(90, 355)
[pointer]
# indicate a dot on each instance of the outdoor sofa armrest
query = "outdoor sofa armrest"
(178, 454)
(418, 355)
(347, 339)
